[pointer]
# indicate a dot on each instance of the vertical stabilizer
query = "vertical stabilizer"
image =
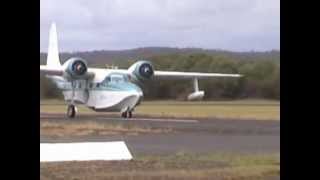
(53, 60)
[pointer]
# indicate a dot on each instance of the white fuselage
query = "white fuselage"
(112, 93)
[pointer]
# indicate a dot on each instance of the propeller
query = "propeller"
(146, 70)
(79, 68)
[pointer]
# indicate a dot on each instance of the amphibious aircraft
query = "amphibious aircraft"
(108, 90)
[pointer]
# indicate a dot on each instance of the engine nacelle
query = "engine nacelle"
(142, 70)
(75, 68)
(196, 96)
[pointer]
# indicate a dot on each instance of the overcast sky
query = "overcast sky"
(238, 25)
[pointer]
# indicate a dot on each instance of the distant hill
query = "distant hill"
(119, 56)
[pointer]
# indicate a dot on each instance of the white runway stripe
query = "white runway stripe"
(154, 120)
(162, 120)
(59, 152)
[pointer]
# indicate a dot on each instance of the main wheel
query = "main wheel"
(124, 114)
(130, 114)
(71, 112)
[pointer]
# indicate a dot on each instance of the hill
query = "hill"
(118, 57)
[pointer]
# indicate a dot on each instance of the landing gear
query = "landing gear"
(72, 111)
(126, 114)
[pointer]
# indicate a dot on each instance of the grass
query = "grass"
(250, 109)
(177, 166)
(74, 128)
(240, 109)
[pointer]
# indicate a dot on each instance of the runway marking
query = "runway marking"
(85, 151)
(154, 120)
(165, 120)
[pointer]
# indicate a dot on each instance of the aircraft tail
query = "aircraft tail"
(53, 60)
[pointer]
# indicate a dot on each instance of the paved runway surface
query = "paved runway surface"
(190, 135)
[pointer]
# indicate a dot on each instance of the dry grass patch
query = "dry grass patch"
(178, 166)
(241, 109)
(63, 129)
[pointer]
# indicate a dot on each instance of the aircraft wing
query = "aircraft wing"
(50, 70)
(190, 75)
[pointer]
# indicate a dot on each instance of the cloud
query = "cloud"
(123, 24)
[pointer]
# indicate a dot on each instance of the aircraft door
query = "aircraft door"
(82, 92)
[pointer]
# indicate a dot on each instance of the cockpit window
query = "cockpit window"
(114, 78)
(117, 78)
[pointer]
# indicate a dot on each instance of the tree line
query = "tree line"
(261, 77)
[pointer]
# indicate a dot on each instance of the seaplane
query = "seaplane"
(109, 90)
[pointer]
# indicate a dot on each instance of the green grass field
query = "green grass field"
(240, 109)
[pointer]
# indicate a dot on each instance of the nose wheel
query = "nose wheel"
(71, 111)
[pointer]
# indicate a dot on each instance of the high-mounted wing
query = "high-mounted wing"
(190, 75)
(195, 76)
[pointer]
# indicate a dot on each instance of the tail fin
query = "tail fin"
(53, 60)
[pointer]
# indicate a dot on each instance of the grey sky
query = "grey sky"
(239, 25)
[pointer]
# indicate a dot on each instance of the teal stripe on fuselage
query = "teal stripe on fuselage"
(127, 86)
(124, 86)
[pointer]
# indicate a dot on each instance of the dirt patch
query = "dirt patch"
(74, 129)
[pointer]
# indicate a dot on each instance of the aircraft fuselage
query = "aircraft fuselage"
(116, 93)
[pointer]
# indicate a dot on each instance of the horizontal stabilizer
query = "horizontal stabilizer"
(51, 71)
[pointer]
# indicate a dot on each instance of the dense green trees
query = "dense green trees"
(261, 76)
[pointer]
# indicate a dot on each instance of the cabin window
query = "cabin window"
(105, 81)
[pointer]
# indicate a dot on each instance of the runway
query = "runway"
(86, 117)
(188, 135)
